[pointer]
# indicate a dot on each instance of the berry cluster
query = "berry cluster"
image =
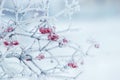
(11, 43)
(44, 30)
(72, 65)
(51, 33)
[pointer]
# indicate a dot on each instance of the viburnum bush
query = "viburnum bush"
(32, 48)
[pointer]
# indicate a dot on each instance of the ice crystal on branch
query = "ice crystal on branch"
(32, 47)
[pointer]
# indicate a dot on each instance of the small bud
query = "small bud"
(96, 45)
(65, 40)
(28, 59)
(82, 62)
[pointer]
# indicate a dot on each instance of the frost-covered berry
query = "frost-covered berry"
(65, 40)
(9, 29)
(53, 37)
(48, 30)
(6, 43)
(44, 30)
(40, 56)
(15, 43)
(72, 65)
(11, 43)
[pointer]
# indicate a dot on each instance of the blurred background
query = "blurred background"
(91, 9)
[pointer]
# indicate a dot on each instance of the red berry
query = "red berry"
(42, 30)
(40, 56)
(69, 64)
(72, 65)
(6, 43)
(49, 30)
(45, 30)
(15, 43)
(53, 37)
(9, 29)
(65, 40)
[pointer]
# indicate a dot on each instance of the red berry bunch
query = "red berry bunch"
(8, 43)
(44, 30)
(53, 37)
(72, 65)
(50, 31)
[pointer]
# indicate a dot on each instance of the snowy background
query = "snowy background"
(100, 22)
